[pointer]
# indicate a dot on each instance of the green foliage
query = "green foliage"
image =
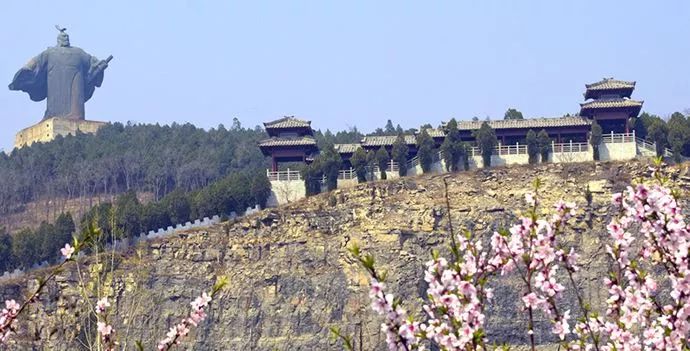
(178, 206)
(260, 188)
(452, 147)
(359, 163)
(657, 132)
(128, 212)
(119, 158)
(544, 142)
(330, 163)
(678, 135)
(595, 139)
(487, 141)
(7, 258)
(513, 114)
(382, 159)
(532, 147)
(399, 154)
(425, 150)
(312, 175)
(350, 136)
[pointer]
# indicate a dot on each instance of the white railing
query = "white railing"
(502, 150)
(283, 175)
(516, 149)
(569, 147)
(645, 144)
(392, 167)
(617, 138)
(347, 174)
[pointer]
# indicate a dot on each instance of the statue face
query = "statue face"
(63, 40)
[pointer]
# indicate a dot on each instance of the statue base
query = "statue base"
(49, 129)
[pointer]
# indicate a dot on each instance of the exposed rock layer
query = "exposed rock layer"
(291, 277)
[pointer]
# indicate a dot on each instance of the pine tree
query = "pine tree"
(595, 139)
(399, 154)
(544, 142)
(487, 141)
(359, 163)
(425, 150)
(532, 147)
(382, 159)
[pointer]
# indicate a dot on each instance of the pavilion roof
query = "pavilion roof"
(611, 103)
(287, 122)
(436, 132)
(611, 84)
(282, 141)
(346, 148)
(529, 123)
(386, 140)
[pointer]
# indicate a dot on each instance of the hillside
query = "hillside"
(290, 275)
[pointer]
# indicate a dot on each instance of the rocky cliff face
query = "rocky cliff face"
(291, 277)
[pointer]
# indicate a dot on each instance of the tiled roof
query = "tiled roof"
(299, 141)
(385, 140)
(346, 148)
(527, 123)
(610, 83)
(436, 133)
(611, 103)
(288, 122)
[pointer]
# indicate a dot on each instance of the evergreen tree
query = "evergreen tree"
(513, 114)
(425, 150)
(128, 215)
(312, 175)
(26, 248)
(657, 132)
(487, 141)
(678, 135)
(452, 148)
(260, 188)
(544, 142)
(595, 139)
(465, 155)
(399, 154)
(532, 147)
(331, 162)
(178, 207)
(359, 163)
(382, 159)
(7, 258)
(389, 129)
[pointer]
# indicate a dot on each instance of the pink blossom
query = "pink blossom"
(67, 251)
(101, 305)
(104, 329)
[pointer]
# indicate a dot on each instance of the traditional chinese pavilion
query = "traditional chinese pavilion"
(511, 131)
(608, 102)
(291, 140)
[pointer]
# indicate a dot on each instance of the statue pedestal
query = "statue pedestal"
(49, 129)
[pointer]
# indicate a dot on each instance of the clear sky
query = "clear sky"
(351, 63)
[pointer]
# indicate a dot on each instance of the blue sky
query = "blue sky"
(348, 63)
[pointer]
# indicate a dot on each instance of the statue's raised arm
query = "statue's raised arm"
(65, 75)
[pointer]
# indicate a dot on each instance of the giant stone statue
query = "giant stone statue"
(65, 75)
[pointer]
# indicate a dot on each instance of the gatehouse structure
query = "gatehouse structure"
(608, 102)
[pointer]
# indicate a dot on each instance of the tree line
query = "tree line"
(127, 217)
(143, 158)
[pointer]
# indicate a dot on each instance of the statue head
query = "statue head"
(63, 38)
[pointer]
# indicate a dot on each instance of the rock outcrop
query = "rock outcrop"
(291, 277)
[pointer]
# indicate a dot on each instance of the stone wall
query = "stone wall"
(286, 191)
(617, 151)
(49, 129)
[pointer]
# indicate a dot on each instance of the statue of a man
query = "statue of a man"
(65, 75)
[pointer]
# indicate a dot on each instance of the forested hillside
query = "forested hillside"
(120, 158)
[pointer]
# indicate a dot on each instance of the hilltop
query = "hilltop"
(291, 277)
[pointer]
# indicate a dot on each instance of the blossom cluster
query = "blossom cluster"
(7, 316)
(181, 329)
(638, 316)
(648, 234)
(105, 330)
